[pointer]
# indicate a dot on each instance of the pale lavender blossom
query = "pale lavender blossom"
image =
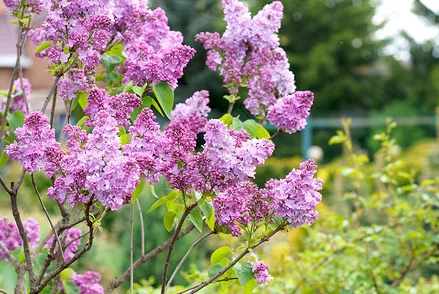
(289, 113)
(295, 198)
(195, 105)
(248, 55)
(71, 242)
(10, 236)
(88, 283)
(260, 272)
(35, 143)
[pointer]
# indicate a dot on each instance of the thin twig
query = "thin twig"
(171, 246)
(177, 268)
(9, 255)
(23, 235)
(3, 291)
(131, 249)
(52, 90)
(3, 183)
(48, 217)
(276, 134)
(231, 264)
(142, 226)
(230, 108)
(144, 258)
(52, 111)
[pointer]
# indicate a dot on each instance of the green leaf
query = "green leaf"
(165, 97)
(249, 286)
(67, 274)
(162, 188)
(196, 218)
(117, 50)
(81, 122)
(15, 119)
(138, 190)
(337, 140)
(146, 103)
(215, 269)
(125, 139)
(42, 46)
(3, 159)
(226, 119)
(219, 254)
(207, 208)
(174, 194)
(139, 90)
(236, 124)
(255, 130)
(81, 96)
(110, 61)
(244, 273)
(168, 220)
(128, 87)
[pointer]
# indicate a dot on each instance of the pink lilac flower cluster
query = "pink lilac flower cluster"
(260, 272)
(294, 199)
(72, 242)
(290, 112)
(32, 6)
(248, 53)
(18, 97)
(154, 53)
(118, 107)
(94, 166)
(35, 145)
(10, 236)
(88, 283)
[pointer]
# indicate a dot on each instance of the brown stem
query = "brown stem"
(171, 246)
(144, 258)
(235, 261)
(52, 111)
(23, 235)
(19, 287)
(47, 216)
(177, 268)
(52, 90)
(276, 134)
(229, 110)
(404, 273)
(131, 249)
(3, 291)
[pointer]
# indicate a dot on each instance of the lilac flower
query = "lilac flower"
(295, 198)
(88, 283)
(290, 112)
(260, 272)
(95, 166)
(10, 236)
(145, 147)
(34, 140)
(248, 55)
(195, 105)
(72, 242)
(238, 206)
(119, 107)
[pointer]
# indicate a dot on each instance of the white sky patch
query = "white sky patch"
(399, 18)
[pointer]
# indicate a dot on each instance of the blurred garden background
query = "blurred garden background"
(368, 60)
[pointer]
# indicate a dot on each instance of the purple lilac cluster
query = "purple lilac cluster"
(153, 52)
(290, 112)
(260, 272)
(32, 6)
(36, 146)
(295, 198)
(94, 166)
(72, 242)
(248, 53)
(18, 97)
(10, 236)
(88, 283)
(196, 105)
(118, 107)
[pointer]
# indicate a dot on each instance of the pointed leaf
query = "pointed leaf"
(42, 46)
(138, 190)
(219, 254)
(244, 273)
(165, 97)
(196, 218)
(215, 269)
(15, 119)
(227, 119)
(168, 220)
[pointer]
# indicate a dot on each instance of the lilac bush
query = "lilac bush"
(119, 62)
